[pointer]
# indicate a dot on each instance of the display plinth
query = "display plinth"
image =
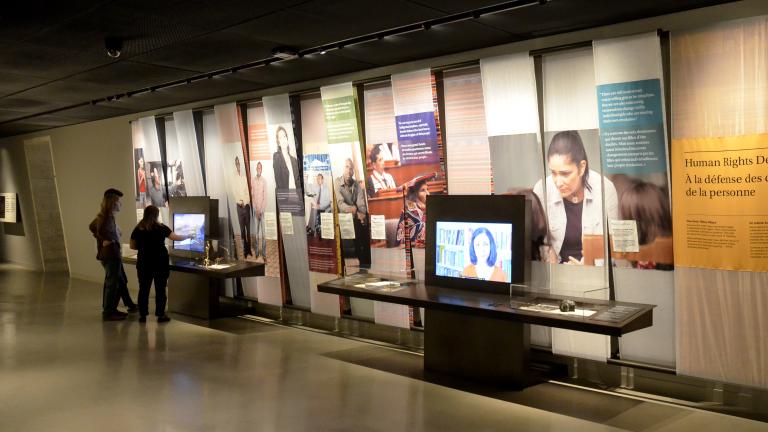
(194, 290)
(485, 336)
(459, 344)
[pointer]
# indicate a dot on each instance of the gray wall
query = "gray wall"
(18, 242)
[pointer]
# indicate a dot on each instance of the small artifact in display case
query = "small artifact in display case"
(567, 305)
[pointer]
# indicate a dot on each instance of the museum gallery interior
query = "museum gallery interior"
(384, 215)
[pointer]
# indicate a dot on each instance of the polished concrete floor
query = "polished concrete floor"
(63, 369)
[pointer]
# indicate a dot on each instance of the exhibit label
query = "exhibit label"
(632, 127)
(340, 119)
(8, 207)
(720, 187)
(417, 138)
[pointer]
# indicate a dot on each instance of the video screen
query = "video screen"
(474, 250)
(186, 224)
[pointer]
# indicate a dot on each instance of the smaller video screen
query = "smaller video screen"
(186, 224)
(474, 250)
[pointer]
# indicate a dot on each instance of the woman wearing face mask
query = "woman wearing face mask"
(574, 197)
(482, 255)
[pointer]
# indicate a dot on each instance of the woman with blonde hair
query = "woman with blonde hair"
(104, 228)
(152, 262)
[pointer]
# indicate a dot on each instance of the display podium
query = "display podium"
(485, 336)
(194, 289)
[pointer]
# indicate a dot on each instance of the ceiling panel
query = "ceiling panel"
(211, 52)
(12, 83)
(128, 75)
(439, 40)
(52, 53)
(319, 22)
(310, 67)
(563, 16)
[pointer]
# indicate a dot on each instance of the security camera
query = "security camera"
(114, 46)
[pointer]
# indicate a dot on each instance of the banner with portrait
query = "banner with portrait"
(512, 124)
(232, 169)
(148, 173)
(354, 222)
(633, 140)
(324, 255)
(576, 195)
(188, 169)
(287, 178)
(264, 239)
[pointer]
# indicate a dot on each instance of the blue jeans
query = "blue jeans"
(261, 236)
(113, 275)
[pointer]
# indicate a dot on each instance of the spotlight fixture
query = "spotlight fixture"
(323, 52)
(285, 53)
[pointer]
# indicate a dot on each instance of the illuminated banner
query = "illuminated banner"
(720, 188)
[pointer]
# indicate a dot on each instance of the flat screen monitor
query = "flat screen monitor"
(478, 243)
(186, 224)
(474, 250)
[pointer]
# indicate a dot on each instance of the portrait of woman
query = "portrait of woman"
(415, 214)
(284, 162)
(574, 197)
(482, 255)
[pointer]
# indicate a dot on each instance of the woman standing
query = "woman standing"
(104, 228)
(152, 264)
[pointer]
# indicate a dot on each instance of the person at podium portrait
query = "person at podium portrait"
(379, 179)
(415, 214)
(482, 255)
(574, 197)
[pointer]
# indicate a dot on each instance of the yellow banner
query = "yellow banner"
(720, 202)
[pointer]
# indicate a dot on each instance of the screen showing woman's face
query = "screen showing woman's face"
(566, 174)
(482, 248)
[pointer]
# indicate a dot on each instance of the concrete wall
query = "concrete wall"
(18, 242)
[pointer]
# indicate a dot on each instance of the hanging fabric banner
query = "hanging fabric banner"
(575, 194)
(343, 136)
(512, 121)
(235, 178)
(148, 170)
(628, 73)
(188, 154)
(719, 123)
(265, 247)
(324, 256)
(287, 181)
(468, 156)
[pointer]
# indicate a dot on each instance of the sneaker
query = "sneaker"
(143, 319)
(164, 318)
(113, 317)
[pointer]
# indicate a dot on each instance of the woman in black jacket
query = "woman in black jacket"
(152, 265)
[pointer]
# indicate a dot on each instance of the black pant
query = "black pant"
(244, 217)
(160, 277)
(362, 242)
(120, 282)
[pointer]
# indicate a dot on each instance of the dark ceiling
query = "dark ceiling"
(53, 64)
